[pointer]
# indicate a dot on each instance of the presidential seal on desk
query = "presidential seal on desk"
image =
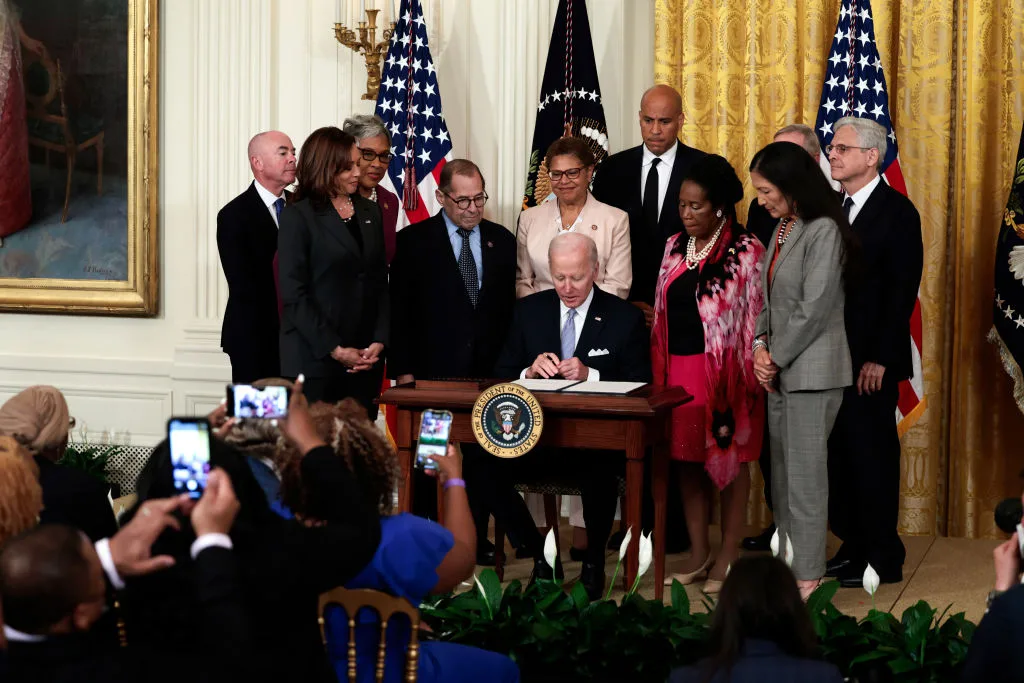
(507, 420)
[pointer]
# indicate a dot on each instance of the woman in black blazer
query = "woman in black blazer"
(333, 276)
(761, 631)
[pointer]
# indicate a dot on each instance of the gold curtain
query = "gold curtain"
(955, 76)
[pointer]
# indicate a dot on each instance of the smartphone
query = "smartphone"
(269, 403)
(189, 439)
(435, 428)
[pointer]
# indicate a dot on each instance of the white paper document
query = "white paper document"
(603, 387)
(541, 384)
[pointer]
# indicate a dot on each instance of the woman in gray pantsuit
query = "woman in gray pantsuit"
(800, 352)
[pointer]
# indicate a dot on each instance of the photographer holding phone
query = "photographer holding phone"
(995, 653)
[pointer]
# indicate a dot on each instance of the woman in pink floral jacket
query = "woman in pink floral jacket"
(706, 306)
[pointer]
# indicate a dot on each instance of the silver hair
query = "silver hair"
(362, 126)
(869, 134)
(810, 142)
(567, 241)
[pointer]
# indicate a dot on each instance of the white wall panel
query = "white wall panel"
(231, 68)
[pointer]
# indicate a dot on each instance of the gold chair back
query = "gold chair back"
(385, 606)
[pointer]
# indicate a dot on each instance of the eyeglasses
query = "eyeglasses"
(464, 202)
(570, 173)
(843, 149)
(370, 155)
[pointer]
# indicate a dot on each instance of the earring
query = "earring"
(718, 214)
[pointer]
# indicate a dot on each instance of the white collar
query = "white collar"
(861, 196)
(266, 195)
(581, 310)
(668, 159)
(16, 636)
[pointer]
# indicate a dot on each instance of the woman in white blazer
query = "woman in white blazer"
(570, 165)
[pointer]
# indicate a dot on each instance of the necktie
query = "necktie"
(569, 335)
(467, 267)
(650, 207)
(847, 206)
(278, 205)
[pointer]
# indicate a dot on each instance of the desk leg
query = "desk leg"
(405, 456)
(659, 491)
(634, 498)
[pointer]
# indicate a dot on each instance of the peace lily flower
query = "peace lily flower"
(870, 581)
(774, 545)
(623, 549)
(646, 555)
(550, 549)
(788, 558)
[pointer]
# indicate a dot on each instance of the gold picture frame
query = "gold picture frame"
(138, 293)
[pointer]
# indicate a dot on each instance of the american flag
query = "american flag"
(409, 103)
(855, 86)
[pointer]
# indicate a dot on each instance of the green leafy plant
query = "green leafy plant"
(90, 459)
(559, 635)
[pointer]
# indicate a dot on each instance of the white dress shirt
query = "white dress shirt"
(581, 319)
(668, 159)
(203, 542)
(268, 198)
(860, 197)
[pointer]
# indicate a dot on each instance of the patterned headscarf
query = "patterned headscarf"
(38, 418)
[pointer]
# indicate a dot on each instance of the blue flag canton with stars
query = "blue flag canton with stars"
(854, 82)
(409, 102)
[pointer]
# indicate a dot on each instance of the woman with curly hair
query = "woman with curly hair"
(416, 557)
(706, 305)
(22, 498)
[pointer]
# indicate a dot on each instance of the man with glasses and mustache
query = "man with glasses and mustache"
(374, 144)
(452, 283)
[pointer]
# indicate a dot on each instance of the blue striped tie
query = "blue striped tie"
(569, 335)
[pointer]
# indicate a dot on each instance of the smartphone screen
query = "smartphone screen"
(248, 402)
(190, 454)
(435, 427)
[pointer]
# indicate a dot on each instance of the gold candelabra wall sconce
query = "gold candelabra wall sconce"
(364, 41)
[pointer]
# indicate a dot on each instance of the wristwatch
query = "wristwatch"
(992, 595)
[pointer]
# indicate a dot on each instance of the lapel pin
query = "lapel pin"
(490, 244)
(597, 318)
(593, 227)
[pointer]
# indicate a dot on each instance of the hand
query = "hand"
(574, 369)
(648, 312)
(131, 547)
(404, 379)
(545, 366)
(765, 369)
(219, 420)
(298, 427)
(449, 466)
(870, 378)
(371, 354)
(217, 508)
(1007, 561)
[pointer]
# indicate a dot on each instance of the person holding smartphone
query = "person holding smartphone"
(416, 557)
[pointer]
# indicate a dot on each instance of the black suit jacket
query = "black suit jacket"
(612, 324)
(881, 298)
(247, 242)
(760, 223)
(222, 648)
(995, 654)
(764, 662)
(617, 182)
(72, 497)
(435, 331)
(334, 292)
(283, 566)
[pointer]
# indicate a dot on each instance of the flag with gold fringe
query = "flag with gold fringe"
(1008, 311)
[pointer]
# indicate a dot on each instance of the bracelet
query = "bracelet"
(759, 344)
(454, 482)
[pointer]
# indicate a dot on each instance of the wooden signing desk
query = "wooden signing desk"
(631, 423)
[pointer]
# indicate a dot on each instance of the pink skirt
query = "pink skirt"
(688, 430)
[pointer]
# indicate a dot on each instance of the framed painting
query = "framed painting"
(78, 156)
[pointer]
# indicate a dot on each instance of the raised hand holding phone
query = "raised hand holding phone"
(447, 466)
(435, 428)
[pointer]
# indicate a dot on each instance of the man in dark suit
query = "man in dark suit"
(864, 449)
(625, 181)
(247, 242)
(53, 583)
(762, 225)
(575, 332)
(452, 290)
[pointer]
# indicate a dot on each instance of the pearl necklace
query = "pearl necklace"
(787, 223)
(694, 257)
(373, 195)
(351, 208)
